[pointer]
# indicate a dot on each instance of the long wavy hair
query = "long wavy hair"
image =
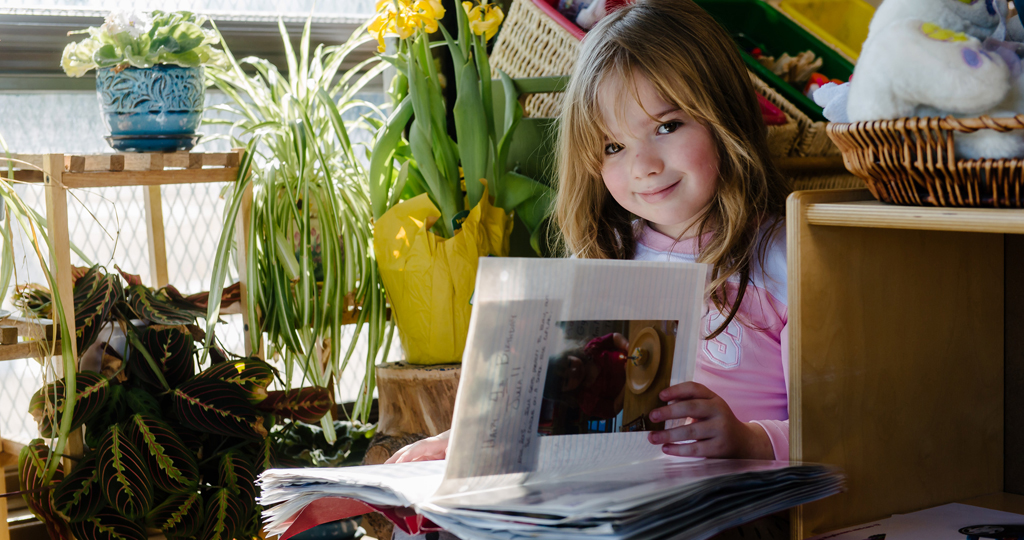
(694, 65)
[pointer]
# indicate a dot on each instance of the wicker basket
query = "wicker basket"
(911, 161)
(812, 139)
(533, 44)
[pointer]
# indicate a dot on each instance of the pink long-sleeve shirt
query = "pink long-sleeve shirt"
(747, 364)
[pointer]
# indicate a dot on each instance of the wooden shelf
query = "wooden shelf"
(27, 349)
(150, 169)
(870, 213)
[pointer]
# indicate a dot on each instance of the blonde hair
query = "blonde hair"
(694, 65)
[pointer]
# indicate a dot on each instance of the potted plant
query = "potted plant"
(169, 448)
(149, 76)
(459, 194)
(310, 266)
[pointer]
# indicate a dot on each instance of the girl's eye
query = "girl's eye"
(669, 127)
(612, 148)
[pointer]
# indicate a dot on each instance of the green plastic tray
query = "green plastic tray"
(762, 25)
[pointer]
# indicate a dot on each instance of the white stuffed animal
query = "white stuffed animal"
(912, 65)
(979, 18)
(938, 58)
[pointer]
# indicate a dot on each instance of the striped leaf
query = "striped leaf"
(123, 475)
(171, 464)
(225, 515)
(48, 401)
(308, 404)
(158, 308)
(218, 407)
(31, 473)
(252, 375)
(95, 295)
(114, 411)
(179, 516)
(78, 497)
(109, 525)
(238, 476)
(174, 353)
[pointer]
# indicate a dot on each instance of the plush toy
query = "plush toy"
(978, 18)
(952, 60)
(935, 69)
(597, 10)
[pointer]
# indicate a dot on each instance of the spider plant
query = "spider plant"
(309, 260)
(12, 208)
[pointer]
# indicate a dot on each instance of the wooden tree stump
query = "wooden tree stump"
(416, 399)
(415, 402)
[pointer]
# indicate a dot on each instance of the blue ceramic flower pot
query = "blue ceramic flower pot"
(153, 109)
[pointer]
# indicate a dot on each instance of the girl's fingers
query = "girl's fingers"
(696, 431)
(691, 408)
(708, 448)
(686, 390)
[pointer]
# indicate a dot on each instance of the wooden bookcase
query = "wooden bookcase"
(58, 173)
(900, 347)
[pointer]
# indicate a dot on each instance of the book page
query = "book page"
(564, 359)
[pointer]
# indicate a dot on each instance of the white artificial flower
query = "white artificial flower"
(135, 23)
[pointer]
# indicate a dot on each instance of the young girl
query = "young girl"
(663, 156)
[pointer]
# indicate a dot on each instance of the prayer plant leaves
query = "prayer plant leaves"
(108, 525)
(123, 475)
(32, 463)
(308, 404)
(48, 401)
(171, 464)
(225, 515)
(173, 352)
(96, 292)
(159, 308)
(238, 475)
(78, 497)
(251, 375)
(179, 516)
(218, 407)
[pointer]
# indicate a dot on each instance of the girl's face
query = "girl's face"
(662, 169)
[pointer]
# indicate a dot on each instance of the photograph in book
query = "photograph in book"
(605, 376)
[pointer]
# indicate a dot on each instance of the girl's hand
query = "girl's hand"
(428, 449)
(715, 429)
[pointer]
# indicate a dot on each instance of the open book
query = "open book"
(564, 359)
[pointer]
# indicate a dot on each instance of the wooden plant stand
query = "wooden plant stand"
(59, 173)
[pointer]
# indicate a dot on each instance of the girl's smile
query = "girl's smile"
(659, 163)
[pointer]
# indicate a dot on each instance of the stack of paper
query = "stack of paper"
(548, 437)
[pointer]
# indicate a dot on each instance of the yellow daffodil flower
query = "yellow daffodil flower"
(383, 24)
(484, 19)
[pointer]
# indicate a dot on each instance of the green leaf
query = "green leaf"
(225, 515)
(114, 411)
(109, 525)
(171, 464)
(49, 402)
(173, 353)
(159, 308)
(251, 375)
(78, 496)
(124, 477)
(218, 407)
(237, 474)
(385, 145)
(179, 516)
(32, 465)
(308, 404)
(95, 295)
(471, 132)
